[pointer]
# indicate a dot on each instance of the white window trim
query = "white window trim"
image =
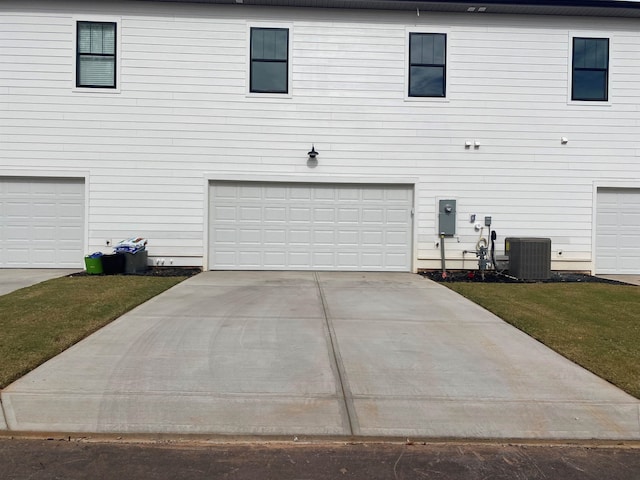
(589, 103)
(248, 91)
(427, 29)
(96, 18)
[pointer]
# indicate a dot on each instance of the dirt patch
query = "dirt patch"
(40, 459)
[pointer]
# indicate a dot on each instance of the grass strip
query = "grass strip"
(595, 325)
(39, 322)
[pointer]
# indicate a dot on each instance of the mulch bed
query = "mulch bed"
(495, 277)
(154, 272)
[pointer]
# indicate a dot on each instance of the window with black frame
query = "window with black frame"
(96, 55)
(269, 60)
(590, 76)
(427, 64)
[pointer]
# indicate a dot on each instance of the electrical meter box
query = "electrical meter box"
(447, 218)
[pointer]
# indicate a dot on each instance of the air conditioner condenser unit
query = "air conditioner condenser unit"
(529, 258)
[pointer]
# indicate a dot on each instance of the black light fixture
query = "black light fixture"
(313, 154)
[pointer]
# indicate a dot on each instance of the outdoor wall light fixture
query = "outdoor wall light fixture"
(313, 154)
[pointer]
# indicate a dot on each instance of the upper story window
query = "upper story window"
(269, 60)
(590, 75)
(427, 64)
(96, 55)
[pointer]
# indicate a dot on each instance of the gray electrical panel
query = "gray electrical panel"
(447, 218)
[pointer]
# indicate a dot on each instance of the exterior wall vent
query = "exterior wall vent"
(529, 258)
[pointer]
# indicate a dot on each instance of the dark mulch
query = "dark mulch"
(496, 277)
(155, 272)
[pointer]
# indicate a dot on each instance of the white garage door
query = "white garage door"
(283, 226)
(41, 223)
(618, 231)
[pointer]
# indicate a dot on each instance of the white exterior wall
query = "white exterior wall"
(183, 115)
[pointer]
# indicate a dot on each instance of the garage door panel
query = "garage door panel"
(248, 236)
(348, 215)
(628, 244)
(225, 235)
(251, 214)
(300, 237)
(630, 220)
(371, 259)
(250, 258)
(397, 238)
(276, 193)
(323, 193)
(275, 214)
(250, 193)
(348, 237)
(225, 213)
(298, 214)
(16, 256)
(324, 237)
(373, 194)
(275, 237)
(347, 260)
(300, 193)
(42, 222)
(399, 195)
(324, 215)
(17, 233)
(398, 216)
(396, 260)
(373, 215)
(298, 259)
(618, 231)
(70, 210)
(331, 227)
(43, 233)
(225, 192)
(373, 238)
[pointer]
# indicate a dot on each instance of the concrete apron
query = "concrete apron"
(12, 279)
(303, 353)
(630, 279)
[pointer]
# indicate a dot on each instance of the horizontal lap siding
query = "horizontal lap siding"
(183, 111)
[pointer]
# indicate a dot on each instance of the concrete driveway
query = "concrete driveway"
(12, 279)
(304, 353)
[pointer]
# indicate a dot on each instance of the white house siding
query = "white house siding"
(183, 117)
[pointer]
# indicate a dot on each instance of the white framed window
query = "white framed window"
(97, 54)
(589, 68)
(426, 64)
(269, 60)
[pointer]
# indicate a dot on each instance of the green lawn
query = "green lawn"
(38, 322)
(594, 324)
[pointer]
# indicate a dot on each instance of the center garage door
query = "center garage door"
(41, 222)
(287, 226)
(618, 231)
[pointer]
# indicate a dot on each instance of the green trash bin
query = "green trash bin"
(93, 263)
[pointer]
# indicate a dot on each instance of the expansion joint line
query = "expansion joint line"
(346, 397)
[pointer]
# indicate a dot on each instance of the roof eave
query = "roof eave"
(596, 8)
